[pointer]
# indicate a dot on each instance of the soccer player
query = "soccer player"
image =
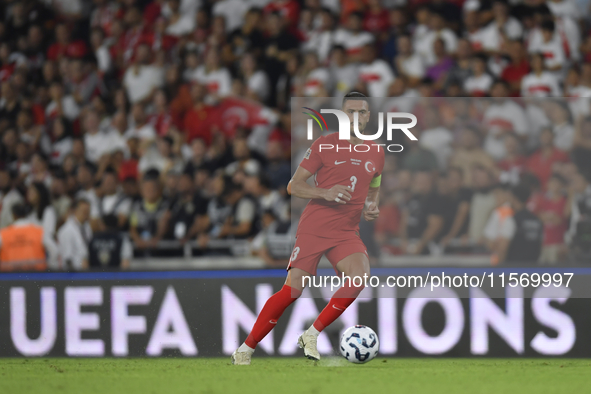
(347, 175)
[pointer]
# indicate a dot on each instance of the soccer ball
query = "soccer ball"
(359, 344)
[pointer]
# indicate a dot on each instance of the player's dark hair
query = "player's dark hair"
(354, 96)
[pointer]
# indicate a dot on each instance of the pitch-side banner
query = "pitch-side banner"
(205, 314)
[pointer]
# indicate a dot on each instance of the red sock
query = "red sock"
(271, 312)
(340, 301)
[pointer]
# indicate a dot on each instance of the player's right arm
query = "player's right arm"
(299, 187)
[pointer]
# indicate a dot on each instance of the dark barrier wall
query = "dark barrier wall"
(208, 313)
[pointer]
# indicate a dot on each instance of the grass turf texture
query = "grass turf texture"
(295, 375)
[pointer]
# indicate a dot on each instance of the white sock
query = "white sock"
(245, 348)
(313, 331)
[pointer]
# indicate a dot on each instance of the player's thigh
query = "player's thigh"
(306, 254)
(350, 257)
(356, 264)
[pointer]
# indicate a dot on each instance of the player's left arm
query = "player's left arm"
(371, 211)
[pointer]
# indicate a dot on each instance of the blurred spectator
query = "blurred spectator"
(110, 248)
(457, 206)
(99, 142)
(541, 162)
(501, 117)
(483, 201)
(113, 200)
(499, 229)
(539, 83)
(422, 216)
(60, 200)
(214, 77)
(187, 211)
(73, 237)
(551, 207)
(480, 82)
(353, 38)
(9, 196)
(85, 179)
(61, 135)
(408, 63)
(229, 213)
(375, 75)
(524, 231)
(41, 210)
(142, 78)
(259, 187)
(579, 232)
(25, 246)
(277, 169)
(149, 216)
(141, 128)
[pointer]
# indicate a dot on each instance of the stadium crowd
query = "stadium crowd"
(170, 119)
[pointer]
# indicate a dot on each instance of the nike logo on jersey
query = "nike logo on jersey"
(339, 162)
(338, 309)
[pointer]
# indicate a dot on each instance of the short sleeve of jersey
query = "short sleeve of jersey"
(312, 160)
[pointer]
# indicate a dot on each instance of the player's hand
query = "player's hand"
(372, 212)
(339, 193)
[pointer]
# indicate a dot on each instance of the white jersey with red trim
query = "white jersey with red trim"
(543, 85)
(377, 76)
(353, 42)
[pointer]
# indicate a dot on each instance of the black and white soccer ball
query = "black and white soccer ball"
(359, 344)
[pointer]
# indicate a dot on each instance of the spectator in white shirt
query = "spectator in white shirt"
(232, 11)
(539, 82)
(437, 31)
(565, 8)
(375, 74)
(503, 27)
(113, 200)
(407, 63)
(142, 128)
(216, 78)
(480, 82)
(353, 38)
(563, 129)
(321, 39)
(502, 116)
(549, 45)
(42, 212)
(344, 74)
(61, 104)
(141, 78)
(179, 24)
(256, 81)
(101, 50)
(74, 236)
(317, 82)
(99, 142)
(85, 178)
(61, 133)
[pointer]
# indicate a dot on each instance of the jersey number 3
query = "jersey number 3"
(294, 255)
(353, 180)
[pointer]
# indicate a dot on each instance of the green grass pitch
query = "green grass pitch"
(295, 375)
